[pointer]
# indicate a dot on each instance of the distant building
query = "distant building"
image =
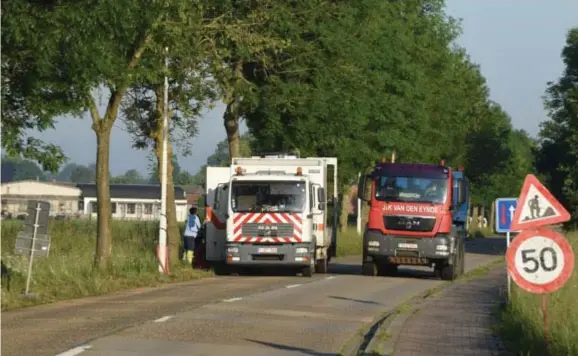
(63, 199)
(194, 193)
(132, 202)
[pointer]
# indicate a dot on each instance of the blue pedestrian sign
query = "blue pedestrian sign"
(505, 208)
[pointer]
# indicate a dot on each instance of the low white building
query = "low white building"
(63, 198)
(132, 202)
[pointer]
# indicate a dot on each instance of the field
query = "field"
(522, 325)
(67, 272)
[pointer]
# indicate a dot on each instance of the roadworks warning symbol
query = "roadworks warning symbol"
(537, 207)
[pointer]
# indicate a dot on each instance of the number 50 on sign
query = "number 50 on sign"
(540, 261)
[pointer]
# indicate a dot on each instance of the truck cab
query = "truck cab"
(268, 212)
(411, 220)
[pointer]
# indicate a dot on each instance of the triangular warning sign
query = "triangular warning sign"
(537, 207)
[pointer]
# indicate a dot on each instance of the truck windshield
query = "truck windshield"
(259, 196)
(411, 189)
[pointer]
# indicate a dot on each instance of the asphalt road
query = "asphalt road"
(253, 315)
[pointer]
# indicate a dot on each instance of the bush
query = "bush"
(67, 272)
(522, 322)
(349, 243)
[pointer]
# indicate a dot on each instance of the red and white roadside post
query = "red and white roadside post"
(539, 260)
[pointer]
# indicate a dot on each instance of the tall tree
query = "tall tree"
(87, 47)
(559, 135)
(21, 169)
(221, 158)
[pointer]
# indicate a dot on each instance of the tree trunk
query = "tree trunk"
(344, 210)
(231, 121)
(103, 256)
(173, 232)
(492, 217)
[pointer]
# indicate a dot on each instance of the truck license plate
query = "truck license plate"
(404, 245)
(267, 250)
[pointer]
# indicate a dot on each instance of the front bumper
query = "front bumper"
(297, 255)
(407, 250)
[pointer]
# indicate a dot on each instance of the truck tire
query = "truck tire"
(386, 270)
(448, 272)
(451, 272)
(221, 269)
(463, 259)
(322, 266)
(369, 269)
(309, 270)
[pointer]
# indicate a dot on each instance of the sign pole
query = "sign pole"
(545, 315)
(31, 259)
(508, 273)
(358, 208)
(162, 248)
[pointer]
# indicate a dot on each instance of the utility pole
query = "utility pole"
(162, 248)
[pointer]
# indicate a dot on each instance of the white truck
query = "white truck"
(271, 211)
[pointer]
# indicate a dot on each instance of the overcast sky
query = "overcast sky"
(516, 42)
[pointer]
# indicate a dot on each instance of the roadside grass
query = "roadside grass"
(522, 326)
(477, 232)
(67, 272)
(349, 242)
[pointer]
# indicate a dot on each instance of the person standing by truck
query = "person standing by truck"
(192, 228)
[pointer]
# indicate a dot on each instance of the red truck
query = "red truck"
(411, 221)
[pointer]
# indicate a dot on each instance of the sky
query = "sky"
(517, 44)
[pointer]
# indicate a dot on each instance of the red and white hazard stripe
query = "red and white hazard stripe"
(239, 219)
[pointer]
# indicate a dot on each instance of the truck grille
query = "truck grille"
(267, 230)
(409, 223)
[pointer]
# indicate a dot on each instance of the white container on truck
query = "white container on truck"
(271, 211)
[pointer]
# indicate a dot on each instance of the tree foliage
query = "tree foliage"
(352, 79)
(558, 155)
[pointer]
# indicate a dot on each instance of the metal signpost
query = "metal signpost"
(505, 208)
(34, 240)
(539, 260)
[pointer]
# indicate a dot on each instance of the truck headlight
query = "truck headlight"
(301, 250)
(373, 243)
(233, 250)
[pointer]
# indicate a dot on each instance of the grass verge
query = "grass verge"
(349, 243)
(67, 273)
(522, 325)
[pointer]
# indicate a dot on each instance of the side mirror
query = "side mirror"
(217, 201)
(364, 183)
(321, 195)
(461, 192)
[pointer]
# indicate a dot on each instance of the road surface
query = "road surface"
(262, 315)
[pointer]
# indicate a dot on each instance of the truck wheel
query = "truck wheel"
(386, 270)
(309, 270)
(322, 266)
(462, 260)
(369, 269)
(448, 272)
(221, 269)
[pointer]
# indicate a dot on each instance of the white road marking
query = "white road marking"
(231, 300)
(163, 319)
(293, 285)
(330, 277)
(75, 351)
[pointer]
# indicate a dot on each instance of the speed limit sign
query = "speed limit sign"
(540, 260)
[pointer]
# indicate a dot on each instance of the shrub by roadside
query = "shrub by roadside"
(348, 242)
(67, 273)
(522, 323)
